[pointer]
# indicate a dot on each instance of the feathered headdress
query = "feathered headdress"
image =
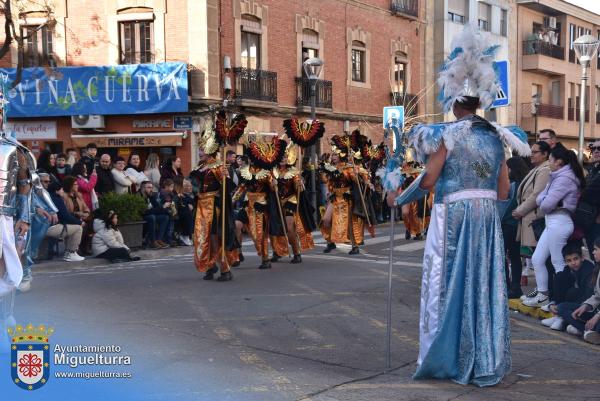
(229, 134)
(303, 134)
(291, 153)
(207, 140)
(469, 70)
(340, 145)
(266, 154)
(373, 153)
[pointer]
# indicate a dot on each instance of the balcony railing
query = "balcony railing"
(408, 7)
(411, 107)
(543, 48)
(324, 93)
(574, 114)
(544, 110)
(255, 84)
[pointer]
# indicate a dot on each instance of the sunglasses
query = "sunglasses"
(594, 148)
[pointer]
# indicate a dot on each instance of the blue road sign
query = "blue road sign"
(393, 112)
(503, 96)
(182, 122)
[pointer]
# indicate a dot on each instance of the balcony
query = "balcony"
(255, 85)
(411, 107)
(574, 114)
(543, 57)
(531, 47)
(324, 93)
(405, 7)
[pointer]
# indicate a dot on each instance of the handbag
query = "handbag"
(538, 226)
(585, 215)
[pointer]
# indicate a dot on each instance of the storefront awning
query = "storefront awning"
(137, 139)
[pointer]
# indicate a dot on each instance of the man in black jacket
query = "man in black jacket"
(69, 226)
(106, 181)
(156, 218)
(591, 195)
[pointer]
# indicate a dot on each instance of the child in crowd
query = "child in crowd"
(573, 285)
(167, 200)
(108, 242)
(584, 319)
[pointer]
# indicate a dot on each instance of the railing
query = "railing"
(136, 58)
(543, 48)
(411, 107)
(544, 110)
(409, 7)
(324, 93)
(572, 56)
(573, 114)
(255, 84)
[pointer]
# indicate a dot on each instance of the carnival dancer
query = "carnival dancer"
(464, 322)
(259, 215)
(207, 229)
(413, 222)
(293, 205)
(343, 221)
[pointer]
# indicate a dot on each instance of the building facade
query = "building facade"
(549, 75)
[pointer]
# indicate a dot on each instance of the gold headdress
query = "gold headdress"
(207, 140)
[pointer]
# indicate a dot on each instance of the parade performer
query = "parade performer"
(464, 322)
(344, 217)
(207, 229)
(260, 215)
(413, 220)
(294, 205)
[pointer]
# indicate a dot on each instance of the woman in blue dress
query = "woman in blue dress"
(464, 321)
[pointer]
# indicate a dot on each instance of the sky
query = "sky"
(591, 5)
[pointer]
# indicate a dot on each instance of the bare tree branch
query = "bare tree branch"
(8, 39)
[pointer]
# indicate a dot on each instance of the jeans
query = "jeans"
(513, 248)
(156, 227)
(115, 253)
(565, 290)
(186, 222)
(559, 228)
(565, 310)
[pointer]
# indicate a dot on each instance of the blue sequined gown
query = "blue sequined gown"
(464, 325)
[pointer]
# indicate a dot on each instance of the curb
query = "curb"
(516, 305)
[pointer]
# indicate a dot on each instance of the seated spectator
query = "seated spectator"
(168, 198)
(171, 169)
(106, 181)
(62, 168)
(69, 227)
(156, 218)
(584, 319)
(185, 210)
(46, 163)
(86, 184)
(122, 181)
(135, 172)
(573, 285)
(108, 241)
(152, 170)
(76, 205)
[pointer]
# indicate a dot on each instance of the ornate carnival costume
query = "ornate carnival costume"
(464, 324)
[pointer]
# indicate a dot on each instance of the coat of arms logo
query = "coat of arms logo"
(30, 355)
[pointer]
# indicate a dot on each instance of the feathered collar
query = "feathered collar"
(248, 175)
(288, 174)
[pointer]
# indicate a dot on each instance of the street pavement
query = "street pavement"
(314, 331)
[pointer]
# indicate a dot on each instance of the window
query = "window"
(358, 61)
(504, 23)
(37, 46)
(458, 11)
(250, 46)
(136, 42)
(310, 46)
(483, 25)
(485, 11)
(456, 17)
(571, 35)
(400, 74)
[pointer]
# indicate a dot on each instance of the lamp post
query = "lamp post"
(312, 69)
(585, 47)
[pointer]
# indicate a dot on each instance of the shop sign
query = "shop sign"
(115, 89)
(164, 123)
(31, 130)
(129, 140)
(182, 122)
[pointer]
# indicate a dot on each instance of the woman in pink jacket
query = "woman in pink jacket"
(86, 185)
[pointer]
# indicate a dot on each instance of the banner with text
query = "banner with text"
(117, 89)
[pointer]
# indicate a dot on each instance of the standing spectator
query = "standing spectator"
(171, 169)
(585, 319)
(122, 181)
(106, 181)
(167, 201)
(527, 209)
(558, 200)
(185, 210)
(549, 136)
(86, 185)
(591, 195)
(108, 242)
(517, 171)
(89, 159)
(152, 170)
(62, 168)
(135, 172)
(69, 226)
(155, 218)
(46, 163)
(232, 167)
(71, 156)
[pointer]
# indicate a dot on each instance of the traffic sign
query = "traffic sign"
(393, 112)
(182, 122)
(503, 95)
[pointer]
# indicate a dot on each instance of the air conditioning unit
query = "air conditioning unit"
(550, 22)
(87, 121)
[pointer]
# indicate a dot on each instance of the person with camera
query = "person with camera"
(155, 217)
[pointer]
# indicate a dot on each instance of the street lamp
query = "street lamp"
(586, 47)
(312, 69)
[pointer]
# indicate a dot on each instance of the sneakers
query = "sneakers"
(530, 295)
(25, 285)
(591, 336)
(546, 308)
(559, 324)
(185, 240)
(550, 321)
(537, 301)
(574, 331)
(73, 257)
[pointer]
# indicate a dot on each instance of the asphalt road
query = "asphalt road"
(314, 331)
